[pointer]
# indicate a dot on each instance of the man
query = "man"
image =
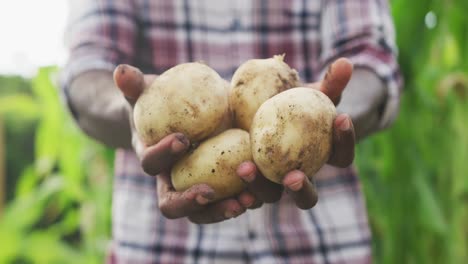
(154, 224)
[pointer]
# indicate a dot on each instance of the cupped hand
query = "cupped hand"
(296, 184)
(196, 203)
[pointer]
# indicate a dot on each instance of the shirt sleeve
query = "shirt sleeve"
(100, 34)
(363, 31)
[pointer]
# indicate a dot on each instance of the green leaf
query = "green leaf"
(44, 247)
(27, 182)
(431, 213)
(22, 106)
(25, 211)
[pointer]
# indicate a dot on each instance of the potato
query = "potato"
(226, 123)
(215, 163)
(190, 98)
(293, 130)
(254, 82)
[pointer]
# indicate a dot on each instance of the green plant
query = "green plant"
(61, 210)
(414, 174)
(19, 114)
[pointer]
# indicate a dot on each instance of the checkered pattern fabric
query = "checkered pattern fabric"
(156, 35)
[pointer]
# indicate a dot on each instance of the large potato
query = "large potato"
(293, 130)
(215, 163)
(254, 82)
(190, 98)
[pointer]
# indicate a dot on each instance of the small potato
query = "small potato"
(190, 98)
(293, 130)
(254, 82)
(214, 162)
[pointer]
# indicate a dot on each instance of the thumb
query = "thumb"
(130, 81)
(337, 77)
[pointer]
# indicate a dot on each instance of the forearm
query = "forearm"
(102, 111)
(362, 100)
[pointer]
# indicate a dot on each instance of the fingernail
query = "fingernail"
(182, 139)
(296, 186)
(345, 125)
(180, 144)
(202, 200)
(177, 146)
(229, 214)
(249, 178)
(249, 202)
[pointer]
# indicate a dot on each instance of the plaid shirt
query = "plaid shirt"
(156, 35)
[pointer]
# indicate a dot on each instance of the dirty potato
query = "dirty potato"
(214, 162)
(227, 122)
(254, 82)
(293, 130)
(190, 98)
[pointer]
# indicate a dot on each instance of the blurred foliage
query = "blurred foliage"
(19, 113)
(413, 174)
(61, 207)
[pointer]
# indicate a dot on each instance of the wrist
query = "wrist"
(363, 99)
(101, 111)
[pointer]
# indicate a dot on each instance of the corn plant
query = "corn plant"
(415, 174)
(61, 209)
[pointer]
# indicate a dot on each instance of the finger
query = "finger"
(264, 189)
(248, 200)
(130, 81)
(343, 142)
(337, 77)
(138, 146)
(301, 189)
(161, 157)
(180, 204)
(217, 212)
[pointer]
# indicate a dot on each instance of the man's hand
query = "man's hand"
(296, 183)
(194, 203)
